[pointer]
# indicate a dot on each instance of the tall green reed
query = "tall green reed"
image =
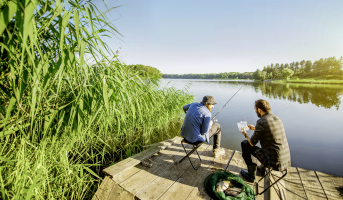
(68, 107)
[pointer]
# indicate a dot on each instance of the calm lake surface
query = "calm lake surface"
(311, 113)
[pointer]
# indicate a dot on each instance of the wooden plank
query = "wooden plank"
(167, 142)
(311, 184)
(278, 190)
(128, 163)
(130, 172)
(119, 193)
(234, 163)
(294, 188)
(337, 181)
(138, 181)
(328, 186)
(220, 162)
(185, 184)
(105, 188)
(157, 187)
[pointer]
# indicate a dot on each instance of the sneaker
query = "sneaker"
(218, 152)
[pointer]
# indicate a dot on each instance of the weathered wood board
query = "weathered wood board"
(294, 187)
(311, 184)
(140, 180)
(185, 184)
(128, 163)
(162, 183)
(104, 190)
(328, 186)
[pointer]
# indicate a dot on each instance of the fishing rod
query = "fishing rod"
(213, 119)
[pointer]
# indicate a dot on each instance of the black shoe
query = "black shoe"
(261, 169)
(250, 175)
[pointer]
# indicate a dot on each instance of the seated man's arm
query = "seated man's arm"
(205, 127)
(186, 107)
(253, 140)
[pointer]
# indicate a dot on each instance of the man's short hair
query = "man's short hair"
(263, 105)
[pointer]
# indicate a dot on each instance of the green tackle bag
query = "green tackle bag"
(221, 175)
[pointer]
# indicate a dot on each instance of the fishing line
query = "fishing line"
(228, 101)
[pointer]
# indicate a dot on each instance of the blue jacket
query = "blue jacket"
(196, 124)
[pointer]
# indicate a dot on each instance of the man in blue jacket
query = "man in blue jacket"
(198, 126)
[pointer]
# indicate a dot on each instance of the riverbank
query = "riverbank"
(310, 80)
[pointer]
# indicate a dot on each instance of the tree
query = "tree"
(318, 66)
(282, 66)
(296, 67)
(224, 75)
(270, 75)
(263, 75)
(257, 75)
(308, 67)
(292, 66)
(287, 73)
(332, 65)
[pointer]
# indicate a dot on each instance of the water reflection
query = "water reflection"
(326, 96)
(321, 95)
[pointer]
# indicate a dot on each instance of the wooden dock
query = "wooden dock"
(129, 179)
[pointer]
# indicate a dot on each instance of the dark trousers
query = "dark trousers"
(215, 132)
(247, 151)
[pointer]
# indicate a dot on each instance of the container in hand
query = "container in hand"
(242, 126)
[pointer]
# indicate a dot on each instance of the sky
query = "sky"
(188, 36)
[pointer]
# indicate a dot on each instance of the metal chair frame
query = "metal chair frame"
(268, 173)
(195, 147)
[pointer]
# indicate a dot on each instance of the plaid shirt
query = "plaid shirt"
(270, 132)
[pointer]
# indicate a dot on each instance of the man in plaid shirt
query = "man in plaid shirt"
(270, 132)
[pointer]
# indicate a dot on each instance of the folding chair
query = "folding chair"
(268, 173)
(196, 145)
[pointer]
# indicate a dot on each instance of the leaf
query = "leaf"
(9, 109)
(4, 159)
(105, 89)
(90, 171)
(34, 184)
(7, 14)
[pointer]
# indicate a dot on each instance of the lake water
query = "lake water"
(311, 113)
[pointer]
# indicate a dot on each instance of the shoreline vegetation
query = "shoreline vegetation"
(68, 106)
(334, 81)
(328, 70)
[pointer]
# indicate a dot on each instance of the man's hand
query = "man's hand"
(245, 133)
(251, 127)
(211, 123)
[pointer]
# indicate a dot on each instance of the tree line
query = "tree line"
(225, 75)
(144, 71)
(327, 67)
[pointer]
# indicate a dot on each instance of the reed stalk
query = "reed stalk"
(68, 106)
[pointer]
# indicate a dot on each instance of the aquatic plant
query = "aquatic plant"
(67, 106)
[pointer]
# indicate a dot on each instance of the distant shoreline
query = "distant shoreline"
(333, 81)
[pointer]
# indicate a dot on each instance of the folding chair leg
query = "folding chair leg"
(188, 154)
(259, 193)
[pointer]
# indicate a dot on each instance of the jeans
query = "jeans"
(215, 132)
